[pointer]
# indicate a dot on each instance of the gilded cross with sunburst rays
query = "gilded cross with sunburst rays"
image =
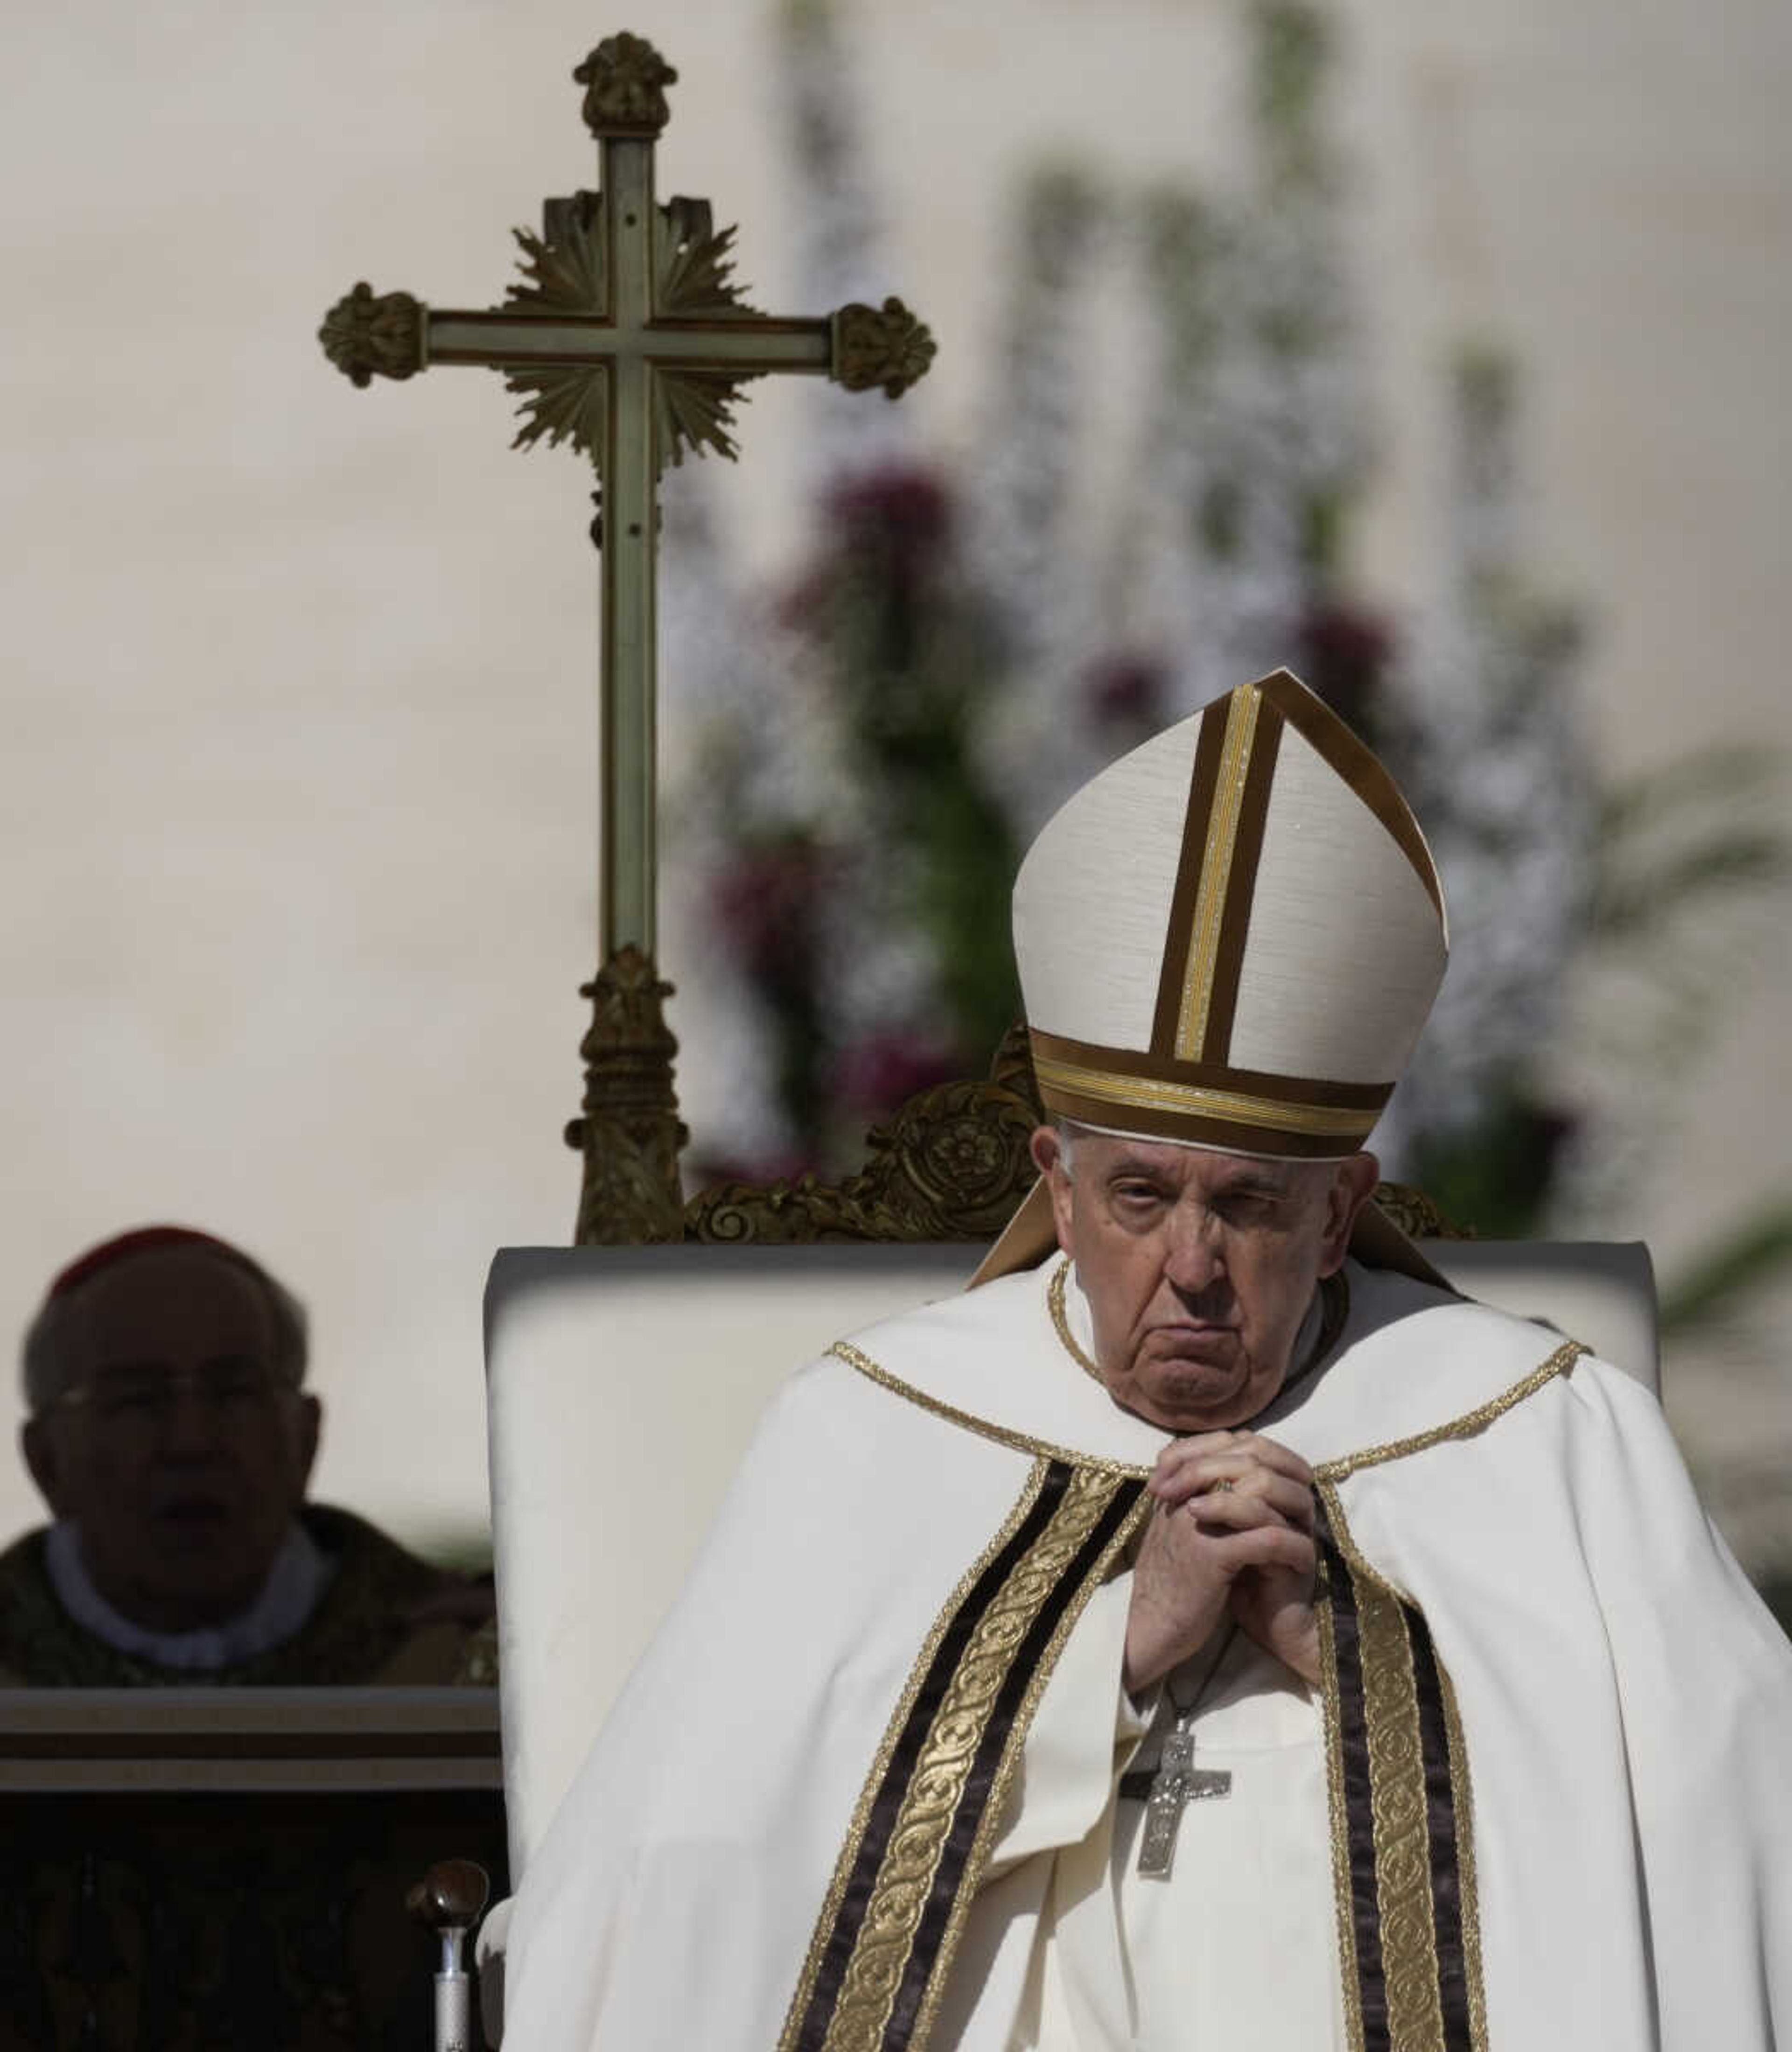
(629, 337)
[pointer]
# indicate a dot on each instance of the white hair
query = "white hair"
(1070, 1131)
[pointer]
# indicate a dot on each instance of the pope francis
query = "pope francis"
(1216, 1633)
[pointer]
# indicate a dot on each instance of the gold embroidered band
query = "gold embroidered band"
(1560, 1362)
(1397, 1773)
(922, 1834)
(1338, 1816)
(1403, 1860)
(1059, 1080)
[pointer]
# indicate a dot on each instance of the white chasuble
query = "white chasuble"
(864, 1793)
(1235, 1947)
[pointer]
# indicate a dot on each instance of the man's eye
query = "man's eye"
(122, 1395)
(1135, 1196)
(233, 1371)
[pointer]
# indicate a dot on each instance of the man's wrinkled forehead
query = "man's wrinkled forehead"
(1113, 1154)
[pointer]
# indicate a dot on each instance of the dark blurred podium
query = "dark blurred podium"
(225, 1870)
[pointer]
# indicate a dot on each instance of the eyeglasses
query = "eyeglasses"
(232, 1386)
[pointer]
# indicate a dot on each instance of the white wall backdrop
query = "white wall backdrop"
(296, 791)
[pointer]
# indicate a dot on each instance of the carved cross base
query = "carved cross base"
(630, 1132)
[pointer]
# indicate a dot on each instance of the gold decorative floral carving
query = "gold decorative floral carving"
(367, 334)
(564, 273)
(695, 411)
(953, 1164)
(629, 1131)
(562, 403)
(625, 79)
(886, 346)
(1416, 1215)
(693, 263)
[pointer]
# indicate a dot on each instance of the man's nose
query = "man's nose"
(1196, 1255)
(187, 1421)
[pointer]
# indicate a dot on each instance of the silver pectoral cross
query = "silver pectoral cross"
(1177, 1783)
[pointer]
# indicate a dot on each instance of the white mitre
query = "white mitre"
(1230, 938)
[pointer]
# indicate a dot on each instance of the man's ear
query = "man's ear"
(38, 1442)
(1351, 1188)
(1047, 1150)
(310, 1424)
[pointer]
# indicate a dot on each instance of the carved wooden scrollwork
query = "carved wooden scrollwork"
(951, 1164)
(1416, 1215)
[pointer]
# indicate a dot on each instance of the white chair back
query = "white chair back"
(623, 1384)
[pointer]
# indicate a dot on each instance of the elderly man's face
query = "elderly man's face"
(1198, 1267)
(184, 1456)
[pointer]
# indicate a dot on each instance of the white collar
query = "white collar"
(300, 1574)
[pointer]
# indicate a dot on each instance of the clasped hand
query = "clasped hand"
(1231, 1532)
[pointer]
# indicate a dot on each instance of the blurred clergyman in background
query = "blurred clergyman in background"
(171, 1435)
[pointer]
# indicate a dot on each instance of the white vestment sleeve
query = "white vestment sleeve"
(1705, 1677)
(1626, 1705)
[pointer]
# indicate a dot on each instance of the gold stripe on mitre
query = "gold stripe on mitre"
(1242, 710)
(1214, 927)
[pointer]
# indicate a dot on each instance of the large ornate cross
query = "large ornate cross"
(628, 339)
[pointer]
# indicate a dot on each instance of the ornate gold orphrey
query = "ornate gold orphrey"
(628, 338)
